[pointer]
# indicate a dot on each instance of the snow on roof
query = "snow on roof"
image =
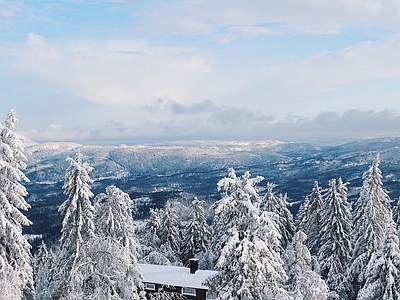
(176, 276)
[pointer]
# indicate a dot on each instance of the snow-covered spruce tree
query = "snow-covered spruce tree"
(342, 190)
(309, 219)
(77, 230)
(248, 266)
(302, 215)
(383, 270)
(278, 205)
(372, 215)
(396, 216)
(16, 275)
(197, 236)
(43, 263)
(113, 272)
(151, 240)
(335, 251)
(170, 234)
(303, 282)
(221, 221)
(154, 224)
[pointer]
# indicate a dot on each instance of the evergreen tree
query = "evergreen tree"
(154, 225)
(310, 218)
(43, 263)
(303, 282)
(16, 275)
(396, 216)
(342, 190)
(151, 240)
(302, 215)
(170, 234)
(278, 205)
(383, 270)
(335, 251)
(197, 234)
(248, 265)
(113, 272)
(77, 230)
(370, 221)
(230, 190)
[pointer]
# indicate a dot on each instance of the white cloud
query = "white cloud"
(56, 132)
(7, 14)
(339, 80)
(113, 72)
(133, 74)
(250, 31)
(288, 16)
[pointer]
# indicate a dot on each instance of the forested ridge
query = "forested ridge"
(332, 248)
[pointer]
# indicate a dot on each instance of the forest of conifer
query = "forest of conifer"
(332, 248)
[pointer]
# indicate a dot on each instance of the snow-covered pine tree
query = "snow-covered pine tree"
(77, 230)
(170, 234)
(278, 205)
(383, 270)
(396, 216)
(335, 251)
(113, 272)
(43, 263)
(222, 222)
(248, 266)
(310, 218)
(197, 237)
(154, 224)
(151, 240)
(16, 275)
(372, 214)
(342, 190)
(302, 214)
(303, 282)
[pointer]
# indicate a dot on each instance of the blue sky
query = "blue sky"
(151, 71)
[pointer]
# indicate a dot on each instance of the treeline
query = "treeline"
(331, 250)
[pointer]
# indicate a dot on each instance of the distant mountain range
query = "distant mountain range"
(153, 174)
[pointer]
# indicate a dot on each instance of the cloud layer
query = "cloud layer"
(120, 70)
(232, 124)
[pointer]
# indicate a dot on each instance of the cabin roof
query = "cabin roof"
(174, 275)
